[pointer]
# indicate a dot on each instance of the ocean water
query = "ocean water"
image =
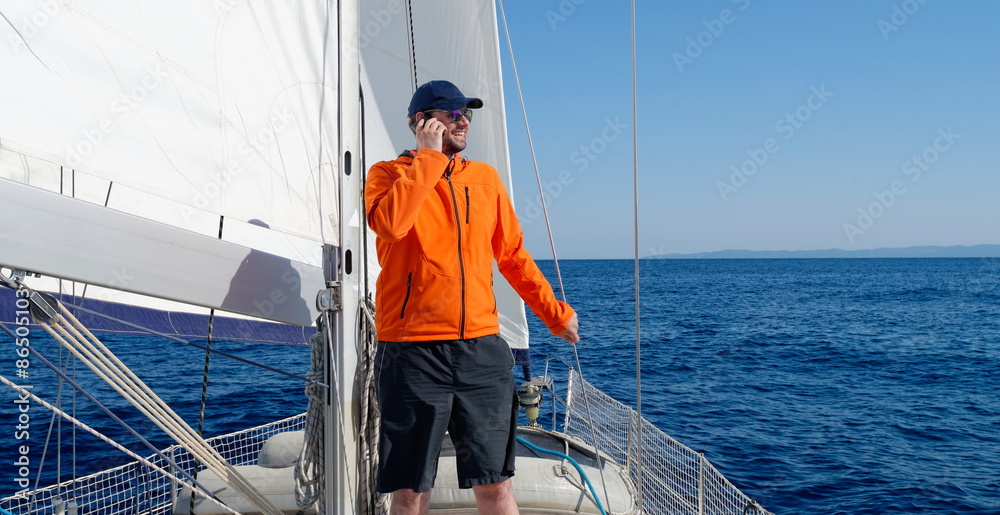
(816, 386)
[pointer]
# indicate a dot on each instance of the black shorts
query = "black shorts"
(463, 386)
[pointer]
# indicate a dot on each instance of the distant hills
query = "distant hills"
(955, 251)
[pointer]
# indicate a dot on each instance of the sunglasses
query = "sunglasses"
(455, 115)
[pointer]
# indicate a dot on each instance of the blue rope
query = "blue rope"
(583, 475)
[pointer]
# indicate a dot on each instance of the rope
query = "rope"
(86, 347)
(369, 416)
(204, 390)
(204, 372)
(309, 467)
(635, 239)
(208, 356)
(116, 445)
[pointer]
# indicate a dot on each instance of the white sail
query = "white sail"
(214, 106)
(181, 114)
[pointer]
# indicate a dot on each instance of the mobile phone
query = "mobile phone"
(413, 121)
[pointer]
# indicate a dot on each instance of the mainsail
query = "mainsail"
(215, 106)
(195, 118)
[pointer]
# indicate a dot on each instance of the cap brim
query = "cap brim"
(471, 103)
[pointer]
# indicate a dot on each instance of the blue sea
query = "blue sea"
(854, 386)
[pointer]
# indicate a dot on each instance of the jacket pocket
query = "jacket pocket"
(494, 293)
(406, 300)
(468, 205)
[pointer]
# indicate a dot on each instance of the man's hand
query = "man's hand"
(430, 133)
(570, 334)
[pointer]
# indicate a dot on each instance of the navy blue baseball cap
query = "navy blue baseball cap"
(440, 94)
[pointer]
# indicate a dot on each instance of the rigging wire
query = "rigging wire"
(62, 325)
(208, 356)
(548, 226)
(531, 149)
(635, 240)
(76, 422)
(204, 372)
(192, 344)
(412, 42)
(57, 412)
(69, 332)
(48, 433)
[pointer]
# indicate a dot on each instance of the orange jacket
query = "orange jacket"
(440, 224)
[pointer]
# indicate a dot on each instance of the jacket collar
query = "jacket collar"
(456, 164)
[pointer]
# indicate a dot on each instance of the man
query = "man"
(441, 221)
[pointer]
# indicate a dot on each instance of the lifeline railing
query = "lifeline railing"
(675, 478)
(136, 488)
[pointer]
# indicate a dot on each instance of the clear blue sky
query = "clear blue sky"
(826, 108)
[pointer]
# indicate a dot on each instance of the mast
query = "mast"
(347, 273)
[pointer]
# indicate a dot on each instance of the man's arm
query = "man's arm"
(392, 201)
(520, 270)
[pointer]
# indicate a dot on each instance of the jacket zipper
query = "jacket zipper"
(468, 205)
(461, 262)
(406, 300)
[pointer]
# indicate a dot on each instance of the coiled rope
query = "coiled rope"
(309, 467)
(369, 417)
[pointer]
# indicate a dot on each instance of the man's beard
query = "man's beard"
(450, 146)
